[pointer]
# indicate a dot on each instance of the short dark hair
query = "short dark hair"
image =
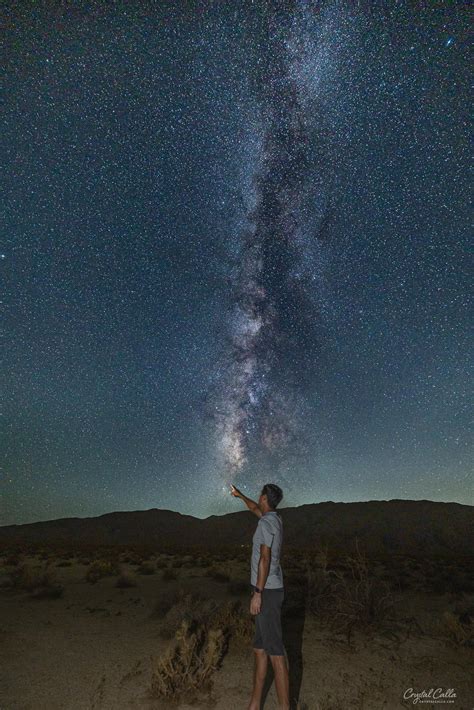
(274, 494)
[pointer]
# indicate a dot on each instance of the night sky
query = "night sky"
(234, 248)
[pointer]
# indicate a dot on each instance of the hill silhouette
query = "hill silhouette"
(414, 527)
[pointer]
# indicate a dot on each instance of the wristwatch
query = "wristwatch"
(257, 590)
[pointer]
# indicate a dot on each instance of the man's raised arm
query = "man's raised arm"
(251, 504)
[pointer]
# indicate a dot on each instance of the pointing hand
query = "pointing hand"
(235, 491)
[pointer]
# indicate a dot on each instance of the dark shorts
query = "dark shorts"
(268, 633)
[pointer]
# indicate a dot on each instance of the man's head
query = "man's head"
(270, 496)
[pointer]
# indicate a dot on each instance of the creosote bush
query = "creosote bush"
(190, 662)
(459, 633)
(101, 568)
(345, 601)
(41, 583)
(201, 642)
(126, 579)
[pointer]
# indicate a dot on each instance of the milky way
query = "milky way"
(273, 325)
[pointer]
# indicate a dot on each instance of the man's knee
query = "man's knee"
(277, 659)
(260, 651)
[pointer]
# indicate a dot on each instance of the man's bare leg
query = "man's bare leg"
(259, 675)
(282, 681)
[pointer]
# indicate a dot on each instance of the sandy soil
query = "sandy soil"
(93, 649)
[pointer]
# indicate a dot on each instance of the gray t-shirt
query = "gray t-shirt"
(269, 532)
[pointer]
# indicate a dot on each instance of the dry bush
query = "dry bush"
(235, 620)
(126, 579)
(14, 559)
(461, 633)
(202, 641)
(101, 568)
(161, 564)
(169, 575)
(40, 582)
(190, 663)
(64, 563)
(232, 617)
(357, 600)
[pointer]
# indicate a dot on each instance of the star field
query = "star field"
(234, 248)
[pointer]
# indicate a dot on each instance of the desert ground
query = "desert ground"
(110, 629)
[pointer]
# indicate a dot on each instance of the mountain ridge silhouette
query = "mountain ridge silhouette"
(401, 526)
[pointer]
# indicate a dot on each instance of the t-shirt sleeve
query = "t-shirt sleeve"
(266, 533)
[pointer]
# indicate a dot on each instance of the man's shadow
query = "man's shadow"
(293, 616)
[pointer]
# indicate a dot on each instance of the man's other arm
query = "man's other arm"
(263, 565)
(251, 504)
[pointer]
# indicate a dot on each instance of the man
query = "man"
(267, 595)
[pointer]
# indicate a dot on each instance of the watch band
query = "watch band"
(259, 591)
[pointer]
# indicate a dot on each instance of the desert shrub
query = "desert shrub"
(161, 564)
(190, 662)
(25, 577)
(13, 560)
(202, 640)
(40, 582)
(457, 631)
(235, 620)
(177, 563)
(64, 563)
(360, 600)
(232, 617)
(99, 569)
(147, 568)
(126, 579)
(169, 575)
